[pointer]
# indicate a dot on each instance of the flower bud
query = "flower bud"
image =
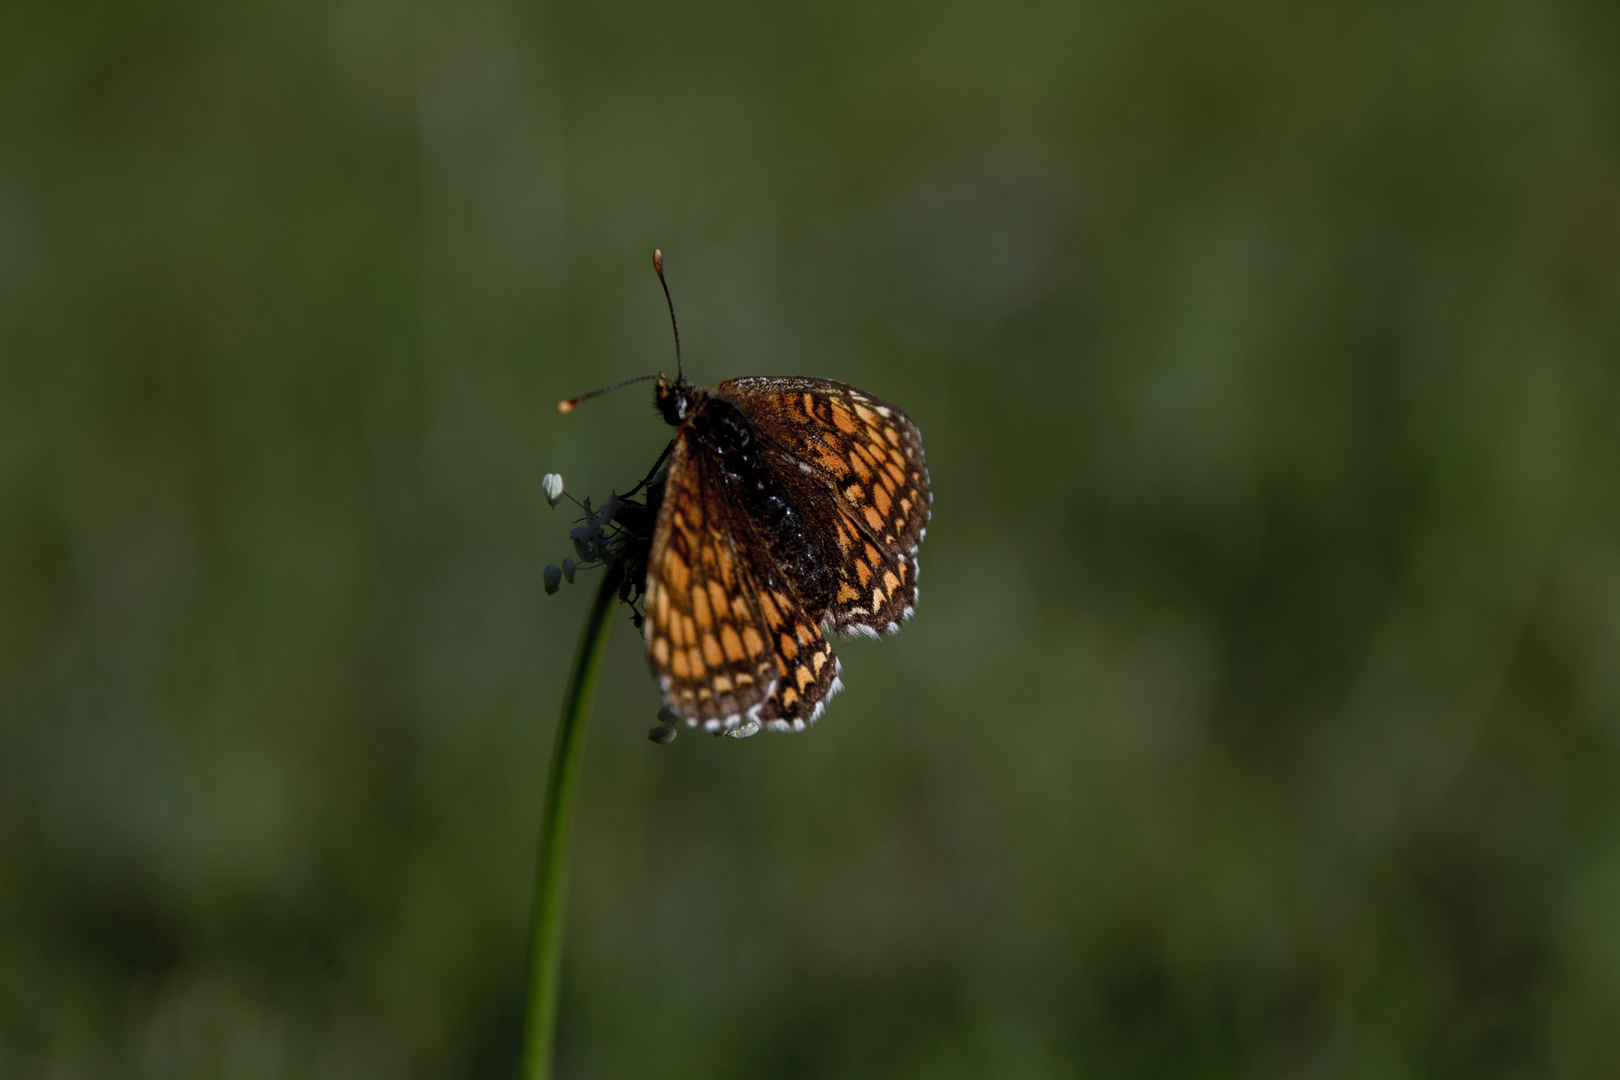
(552, 485)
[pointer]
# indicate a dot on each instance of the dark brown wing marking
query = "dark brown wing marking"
(708, 640)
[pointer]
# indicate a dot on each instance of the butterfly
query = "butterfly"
(790, 507)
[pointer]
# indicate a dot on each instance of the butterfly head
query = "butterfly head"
(676, 399)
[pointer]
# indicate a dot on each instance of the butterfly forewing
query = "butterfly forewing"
(869, 454)
(707, 638)
(866, 448)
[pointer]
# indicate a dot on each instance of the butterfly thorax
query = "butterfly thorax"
(716, 425)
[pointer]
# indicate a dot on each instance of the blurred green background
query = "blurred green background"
(1261, 716)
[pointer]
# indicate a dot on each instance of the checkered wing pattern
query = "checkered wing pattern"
(804, 657)
(868, 455)
(876, 587)
(710, 643)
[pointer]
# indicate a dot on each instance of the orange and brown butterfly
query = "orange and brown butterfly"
(789, 507)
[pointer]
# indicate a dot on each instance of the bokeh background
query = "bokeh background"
(1261, 715)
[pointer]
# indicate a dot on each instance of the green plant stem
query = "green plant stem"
(551, 867)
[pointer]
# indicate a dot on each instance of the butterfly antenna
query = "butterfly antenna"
(573, 403)
(658, 265)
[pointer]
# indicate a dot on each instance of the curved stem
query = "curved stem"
(551, 869)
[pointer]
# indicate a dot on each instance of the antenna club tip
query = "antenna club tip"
(658, 260)
(566, 406)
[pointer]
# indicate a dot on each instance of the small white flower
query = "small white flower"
(552, 485)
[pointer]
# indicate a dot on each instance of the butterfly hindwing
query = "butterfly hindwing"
(804, 657)
(876, 588)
